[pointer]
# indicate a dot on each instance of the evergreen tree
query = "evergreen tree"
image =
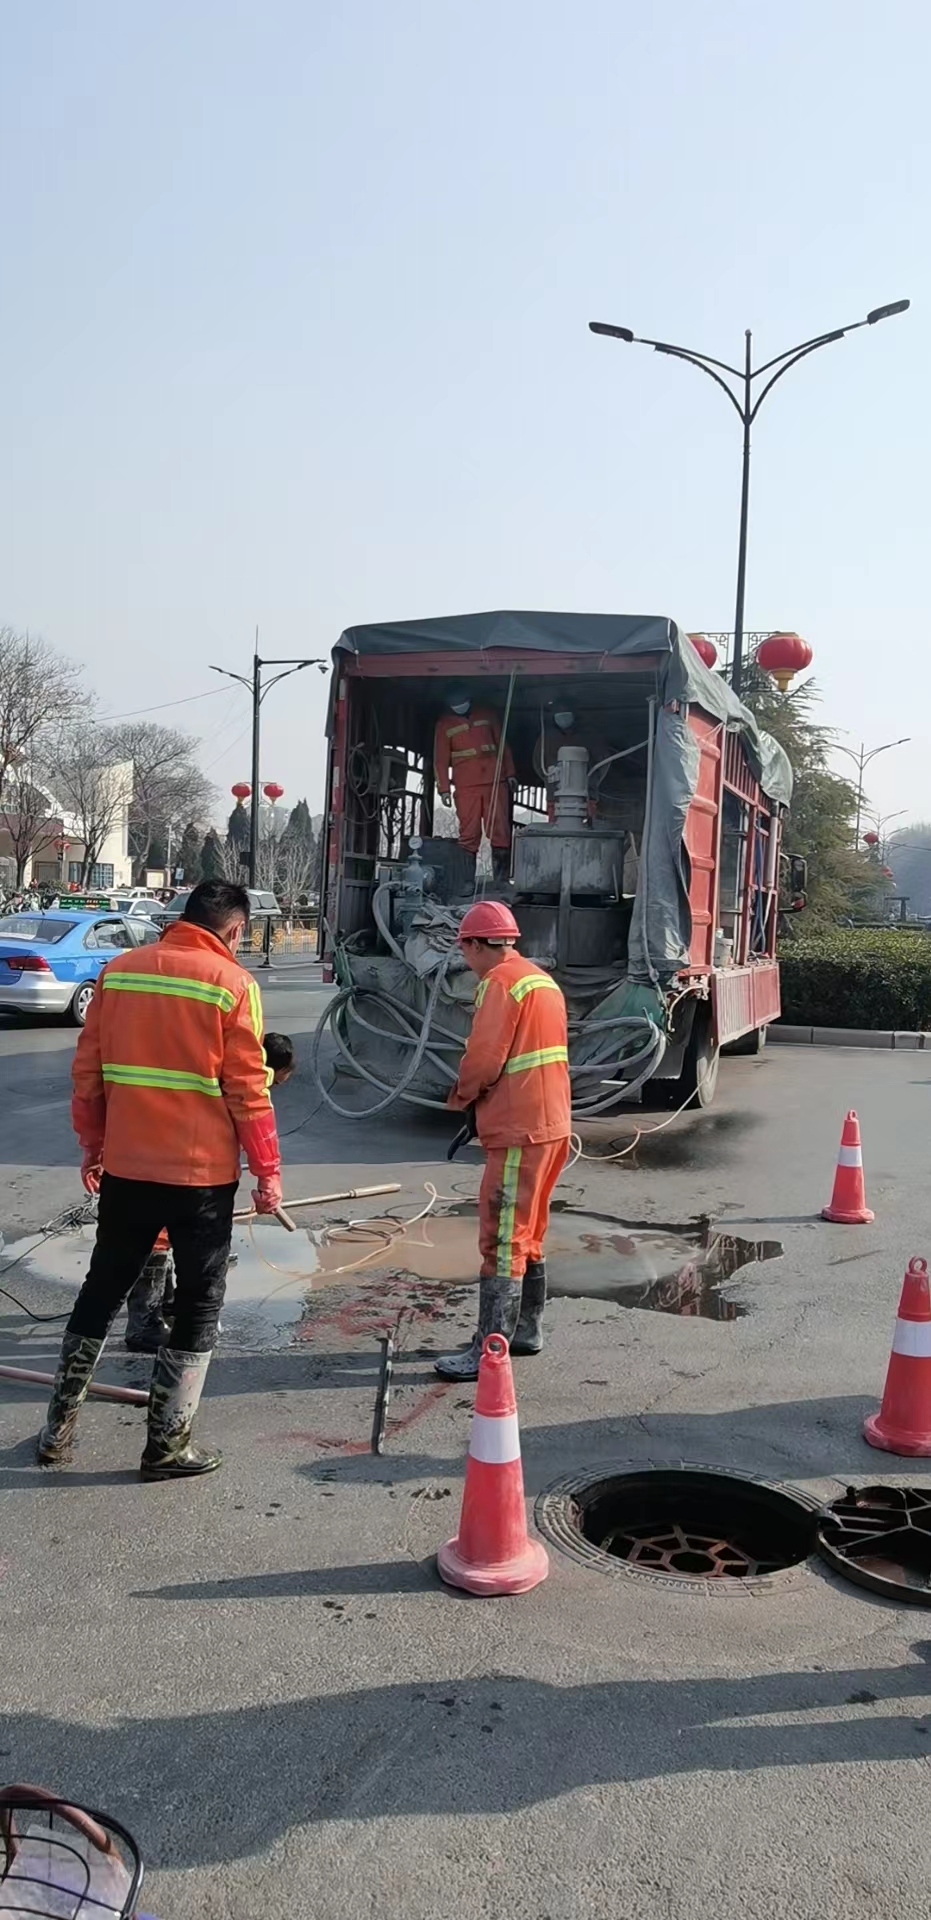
(189, 855)
(821, 821)
(239, 826)
(212, 857)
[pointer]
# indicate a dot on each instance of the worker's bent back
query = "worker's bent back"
(174, 1032)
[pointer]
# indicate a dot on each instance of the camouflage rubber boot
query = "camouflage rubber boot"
(146, 1327)
(174, 1396)
(498, 1307)
(528, 1334)
(76, 1363)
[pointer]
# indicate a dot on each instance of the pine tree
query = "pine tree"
(212, 857)
(189, 855)
(820, 824)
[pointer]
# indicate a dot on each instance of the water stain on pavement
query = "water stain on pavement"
(679, 1270)
(683, 1270)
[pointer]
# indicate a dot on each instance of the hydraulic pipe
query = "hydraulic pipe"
(130, 1394)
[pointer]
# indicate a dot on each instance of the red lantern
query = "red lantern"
(784, 655)
(887, 873)
(705, 648)
(871, 839)
(241, 791)
(272, 791)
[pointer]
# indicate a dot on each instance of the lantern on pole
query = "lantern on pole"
(705, 649)
(784, 655)
(240, 791)
(272, 791)
(871, 839)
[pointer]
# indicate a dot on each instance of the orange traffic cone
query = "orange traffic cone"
(493, 1552)
(848, 1201)
(903, 1423)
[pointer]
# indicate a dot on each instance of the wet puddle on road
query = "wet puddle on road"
(677, 1270)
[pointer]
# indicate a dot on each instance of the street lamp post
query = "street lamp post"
(881, 821)
(254, 687)
(747, 409)
(861, 761)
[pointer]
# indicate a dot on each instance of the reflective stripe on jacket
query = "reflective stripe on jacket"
(515, 1067)
(173, 1042)
(465, 748)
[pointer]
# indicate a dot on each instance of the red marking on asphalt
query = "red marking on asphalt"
(327, 1444)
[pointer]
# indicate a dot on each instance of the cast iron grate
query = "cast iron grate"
(880, 1537)
(699, 1529)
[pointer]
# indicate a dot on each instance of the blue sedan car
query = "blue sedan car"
(50, 959)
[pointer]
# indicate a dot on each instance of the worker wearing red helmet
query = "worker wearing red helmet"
(515, 1072)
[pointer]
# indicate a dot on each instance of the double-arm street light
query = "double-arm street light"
(254, 686)
(862, 760)
(747, 407)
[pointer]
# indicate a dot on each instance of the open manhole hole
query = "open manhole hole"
(880, 1537)
(700, 1529)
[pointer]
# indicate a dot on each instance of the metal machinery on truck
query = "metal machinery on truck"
(644, 873)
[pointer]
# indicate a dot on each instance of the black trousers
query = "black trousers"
(130, 1216)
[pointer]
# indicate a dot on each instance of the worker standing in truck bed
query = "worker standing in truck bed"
(515, 1072)
(467, 751)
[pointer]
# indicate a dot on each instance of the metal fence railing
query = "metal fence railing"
(288, 942)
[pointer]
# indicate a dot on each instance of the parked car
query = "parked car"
(262, 905)
(49, 961)
(137, 906)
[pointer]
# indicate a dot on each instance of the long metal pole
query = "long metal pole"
(256, 721)
(860, 766)
(737, 662)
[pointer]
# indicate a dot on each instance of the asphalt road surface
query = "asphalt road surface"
(261, 1673)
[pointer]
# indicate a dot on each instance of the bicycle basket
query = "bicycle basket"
(63, 1862)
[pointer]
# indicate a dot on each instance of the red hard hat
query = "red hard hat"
(489, 920)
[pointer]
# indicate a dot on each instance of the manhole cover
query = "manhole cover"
(880, 1537)
(699, 1529)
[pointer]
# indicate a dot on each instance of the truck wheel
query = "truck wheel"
(699, 1076)
(752, 1043)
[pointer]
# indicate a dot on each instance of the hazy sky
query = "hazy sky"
(294, 304)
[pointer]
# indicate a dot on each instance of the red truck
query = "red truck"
(644, 874)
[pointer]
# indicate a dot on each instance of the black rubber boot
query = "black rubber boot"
(174, 1396)
(76, 1363)
(528, 1334)
(146, 1327)
(501, 863)
(498, 1307)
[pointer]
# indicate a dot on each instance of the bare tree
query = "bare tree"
(91, 787)
(169, 789)
(30, 822)
(39, 693)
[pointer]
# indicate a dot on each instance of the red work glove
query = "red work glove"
(91, 1169)
(258, 1139)
(267, 1195)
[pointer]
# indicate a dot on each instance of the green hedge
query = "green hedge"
(876, 977)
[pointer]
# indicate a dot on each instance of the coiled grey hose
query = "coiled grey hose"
(426, 1045)
(394, 1092)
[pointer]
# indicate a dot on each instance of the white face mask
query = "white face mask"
(461, 706)
(564, 721)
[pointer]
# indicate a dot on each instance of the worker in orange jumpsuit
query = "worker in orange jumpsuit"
(170, 1086)
(515, 1072)
(466, 751)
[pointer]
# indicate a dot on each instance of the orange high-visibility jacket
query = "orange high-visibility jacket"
(465, 747)
(173, 1044)
(515, 1067)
